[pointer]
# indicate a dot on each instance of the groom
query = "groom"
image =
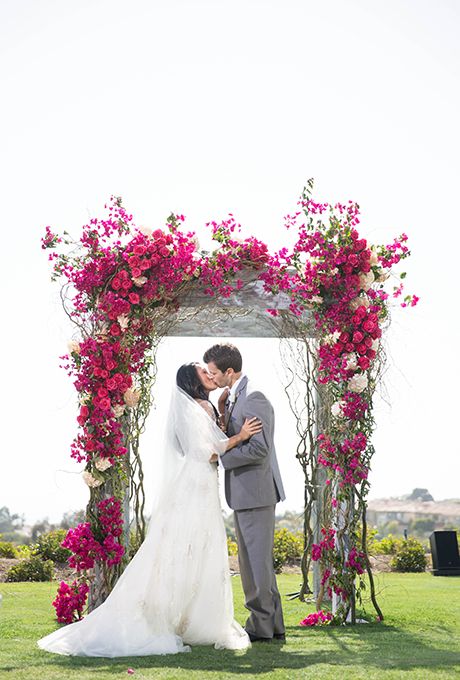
(253, 486)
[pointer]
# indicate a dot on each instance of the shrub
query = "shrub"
(33, 569)
(387, 546)
(7, 549)
(23, 551)
(410, 557)
(48, 546)
(287, 548)
(232, 547)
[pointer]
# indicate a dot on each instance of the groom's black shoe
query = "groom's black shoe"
(281, 637)
(255, 638)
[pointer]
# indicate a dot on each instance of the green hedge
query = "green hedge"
(32, 569)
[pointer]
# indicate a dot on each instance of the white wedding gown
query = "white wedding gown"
(176, 591)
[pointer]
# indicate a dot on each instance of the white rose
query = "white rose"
(123, 320)
(375, 344)
(131, 397)
(140, 280)
(337, 408)
(73, 346)
(91, 481)
(366, 280)
(102, 464)
(374, 258)
(118, 410)
(146, 231)
(352, 362)
(84, 398)
(316, 298)
(332, 338)
(358, 382)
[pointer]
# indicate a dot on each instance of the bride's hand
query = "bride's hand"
(250, 427)
(214, 458)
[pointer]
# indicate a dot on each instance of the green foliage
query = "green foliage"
(287, 548)
(48, 546)
(24, 551)
(410, 557)
(32, 569)
(232, 546)
(7, 549)
(387, 546)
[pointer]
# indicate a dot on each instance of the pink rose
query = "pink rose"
(115, 329)
(357, 337)
(134, 298)
(363, 363)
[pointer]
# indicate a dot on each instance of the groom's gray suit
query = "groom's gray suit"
(253, 486)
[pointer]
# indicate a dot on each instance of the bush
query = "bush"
(48, 546)
(232, 547)
(287, 548)
(387, 546)
(33, 569)
(410, 557)
(7, 549)
(23, 551)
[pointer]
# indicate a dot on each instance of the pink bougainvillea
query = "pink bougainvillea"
(118, 274)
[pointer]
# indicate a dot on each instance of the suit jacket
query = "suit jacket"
(252, 476)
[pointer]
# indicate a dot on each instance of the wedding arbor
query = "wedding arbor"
(125, 289)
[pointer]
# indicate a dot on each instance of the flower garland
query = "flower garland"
(123, 284)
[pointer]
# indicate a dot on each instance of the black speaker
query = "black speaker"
(444, 552)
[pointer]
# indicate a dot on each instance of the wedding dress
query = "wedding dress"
(176, 591)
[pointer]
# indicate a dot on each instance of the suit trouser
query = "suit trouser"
(254, 532)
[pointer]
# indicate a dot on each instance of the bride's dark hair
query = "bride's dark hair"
(187, 379)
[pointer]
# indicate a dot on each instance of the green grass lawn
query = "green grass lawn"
(418, 639)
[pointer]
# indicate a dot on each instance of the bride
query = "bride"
(176, 591)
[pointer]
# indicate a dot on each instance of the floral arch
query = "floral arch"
(326, 298)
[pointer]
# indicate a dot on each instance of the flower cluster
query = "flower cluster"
(70, 601)
(317, 619)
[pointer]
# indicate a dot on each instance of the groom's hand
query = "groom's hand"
(214, 458)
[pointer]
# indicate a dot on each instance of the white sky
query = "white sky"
(206, 108)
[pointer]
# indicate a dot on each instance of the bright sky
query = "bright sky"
(206, 108)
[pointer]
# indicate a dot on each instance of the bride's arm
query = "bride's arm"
(250, 427)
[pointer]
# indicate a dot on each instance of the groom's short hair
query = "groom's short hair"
(224, 356)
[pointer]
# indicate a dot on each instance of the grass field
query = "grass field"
(419, 639)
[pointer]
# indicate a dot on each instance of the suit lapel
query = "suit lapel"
(241, 387)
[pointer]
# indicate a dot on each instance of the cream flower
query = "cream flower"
(146, 231)
(337, 408)
(374, 258)
(140, 280)
(123, 320)
(91, 481)
(84, 398)
(316, 298)
(358, 383)
(352, 362)
(73, 346)
(366, 280)
(131, 397)
(118, 410)
(375, 344)
(332, 338)
(102, 464)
